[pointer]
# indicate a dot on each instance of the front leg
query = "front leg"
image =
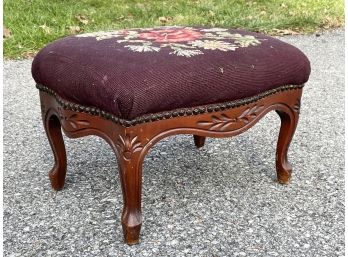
(130, 167)
(54, 134)
(287, 130)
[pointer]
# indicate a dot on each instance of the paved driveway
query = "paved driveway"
(221, 200)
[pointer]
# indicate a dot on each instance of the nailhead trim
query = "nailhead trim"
(164, 115)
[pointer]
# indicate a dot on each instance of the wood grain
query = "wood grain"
(131, 144)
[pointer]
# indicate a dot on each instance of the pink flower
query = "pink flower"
(171, 35)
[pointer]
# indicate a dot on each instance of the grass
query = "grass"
(34, 23)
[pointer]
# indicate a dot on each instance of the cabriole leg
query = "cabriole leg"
(287, 130)
(54, 134)
(130, 168)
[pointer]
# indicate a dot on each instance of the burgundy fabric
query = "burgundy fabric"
(107, 74)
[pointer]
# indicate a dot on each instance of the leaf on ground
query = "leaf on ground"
(6, 33)
(29, 54)
(46, 29)
(120, 18)
(83, 19)
(283, 32)
(165, 20)
(330, 22)
(74, 29)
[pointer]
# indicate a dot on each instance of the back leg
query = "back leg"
(199, 141)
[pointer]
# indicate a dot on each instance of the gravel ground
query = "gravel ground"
(221, 200)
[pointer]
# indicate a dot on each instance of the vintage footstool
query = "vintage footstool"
(134, 87)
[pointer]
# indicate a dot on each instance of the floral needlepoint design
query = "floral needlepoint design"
(171, 35)
(214, 45)
(182, 41)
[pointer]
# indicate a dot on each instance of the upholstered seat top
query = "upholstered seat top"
(133, 72)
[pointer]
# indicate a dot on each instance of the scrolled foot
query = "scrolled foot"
(131, 234)
(57, 177)
(284, 173)
(131, 224)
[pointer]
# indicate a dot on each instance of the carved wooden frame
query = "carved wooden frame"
(131, 140)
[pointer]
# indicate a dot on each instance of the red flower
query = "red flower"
(171, 35)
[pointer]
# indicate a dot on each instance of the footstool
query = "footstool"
(134, 87)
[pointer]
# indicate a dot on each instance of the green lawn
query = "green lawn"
(34, 23)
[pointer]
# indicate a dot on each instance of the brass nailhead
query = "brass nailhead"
(96, 111)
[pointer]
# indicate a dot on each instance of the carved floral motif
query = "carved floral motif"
(223, 122)
(128, 145)
(75, 123)
(73, 120)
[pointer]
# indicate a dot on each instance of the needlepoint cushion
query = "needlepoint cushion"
(133, 72)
